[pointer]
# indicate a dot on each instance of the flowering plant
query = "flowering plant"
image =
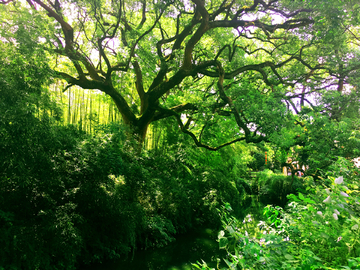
(326, 222)
(317, 230)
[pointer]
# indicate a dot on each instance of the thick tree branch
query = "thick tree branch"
(67, 29)
(143, 15)
(181, 37)
(140, 87)
(4, 2)
(292, 14)
(252, 8)
(69, 41)
(143, 35)
(178, 109)
(101, 48)
(176, 79)
(228, 100)
(204, 26)
(221, 9)
(160, 76)
(197, 142)
(290, 24)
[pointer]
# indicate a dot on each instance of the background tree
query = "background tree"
(238, 65)
(68, 197)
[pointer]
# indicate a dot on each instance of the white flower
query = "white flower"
(327, 200)
(339, 180)
(336, 212)
(335, 216)
(319, 213)
(344, 194)
(339, 238)
(327, 191)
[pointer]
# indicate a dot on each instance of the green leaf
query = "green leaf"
(309, 201)
(223, 243)
(195, 265)
(310, 208)
(230, 229)
(317, 258)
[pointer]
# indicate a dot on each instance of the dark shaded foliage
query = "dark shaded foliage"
(273, 188)
(69, 198)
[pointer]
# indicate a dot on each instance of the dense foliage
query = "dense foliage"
(242, 67)
(276, 82)
(319, 230)
(68, 197)
(87, 198)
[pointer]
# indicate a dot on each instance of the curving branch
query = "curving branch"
(4, 2)
(143, 15)
(221, 9)
(177, 109)
(143, 35)
(204, 26)
(67, 29)
(140, 86)
(176, 79)
(292, 14)
(197, 141)
(229, 101)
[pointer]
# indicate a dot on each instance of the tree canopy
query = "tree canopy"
(240, 69)
(277, 81)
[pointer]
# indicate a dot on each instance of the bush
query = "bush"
(274, 187)
(84, 199)
(67, 197)
(319, 230)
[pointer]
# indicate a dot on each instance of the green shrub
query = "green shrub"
(319, 230)
(87, 198)
(67, 197)
(274, 187)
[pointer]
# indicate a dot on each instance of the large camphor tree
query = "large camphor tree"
(239, 65)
